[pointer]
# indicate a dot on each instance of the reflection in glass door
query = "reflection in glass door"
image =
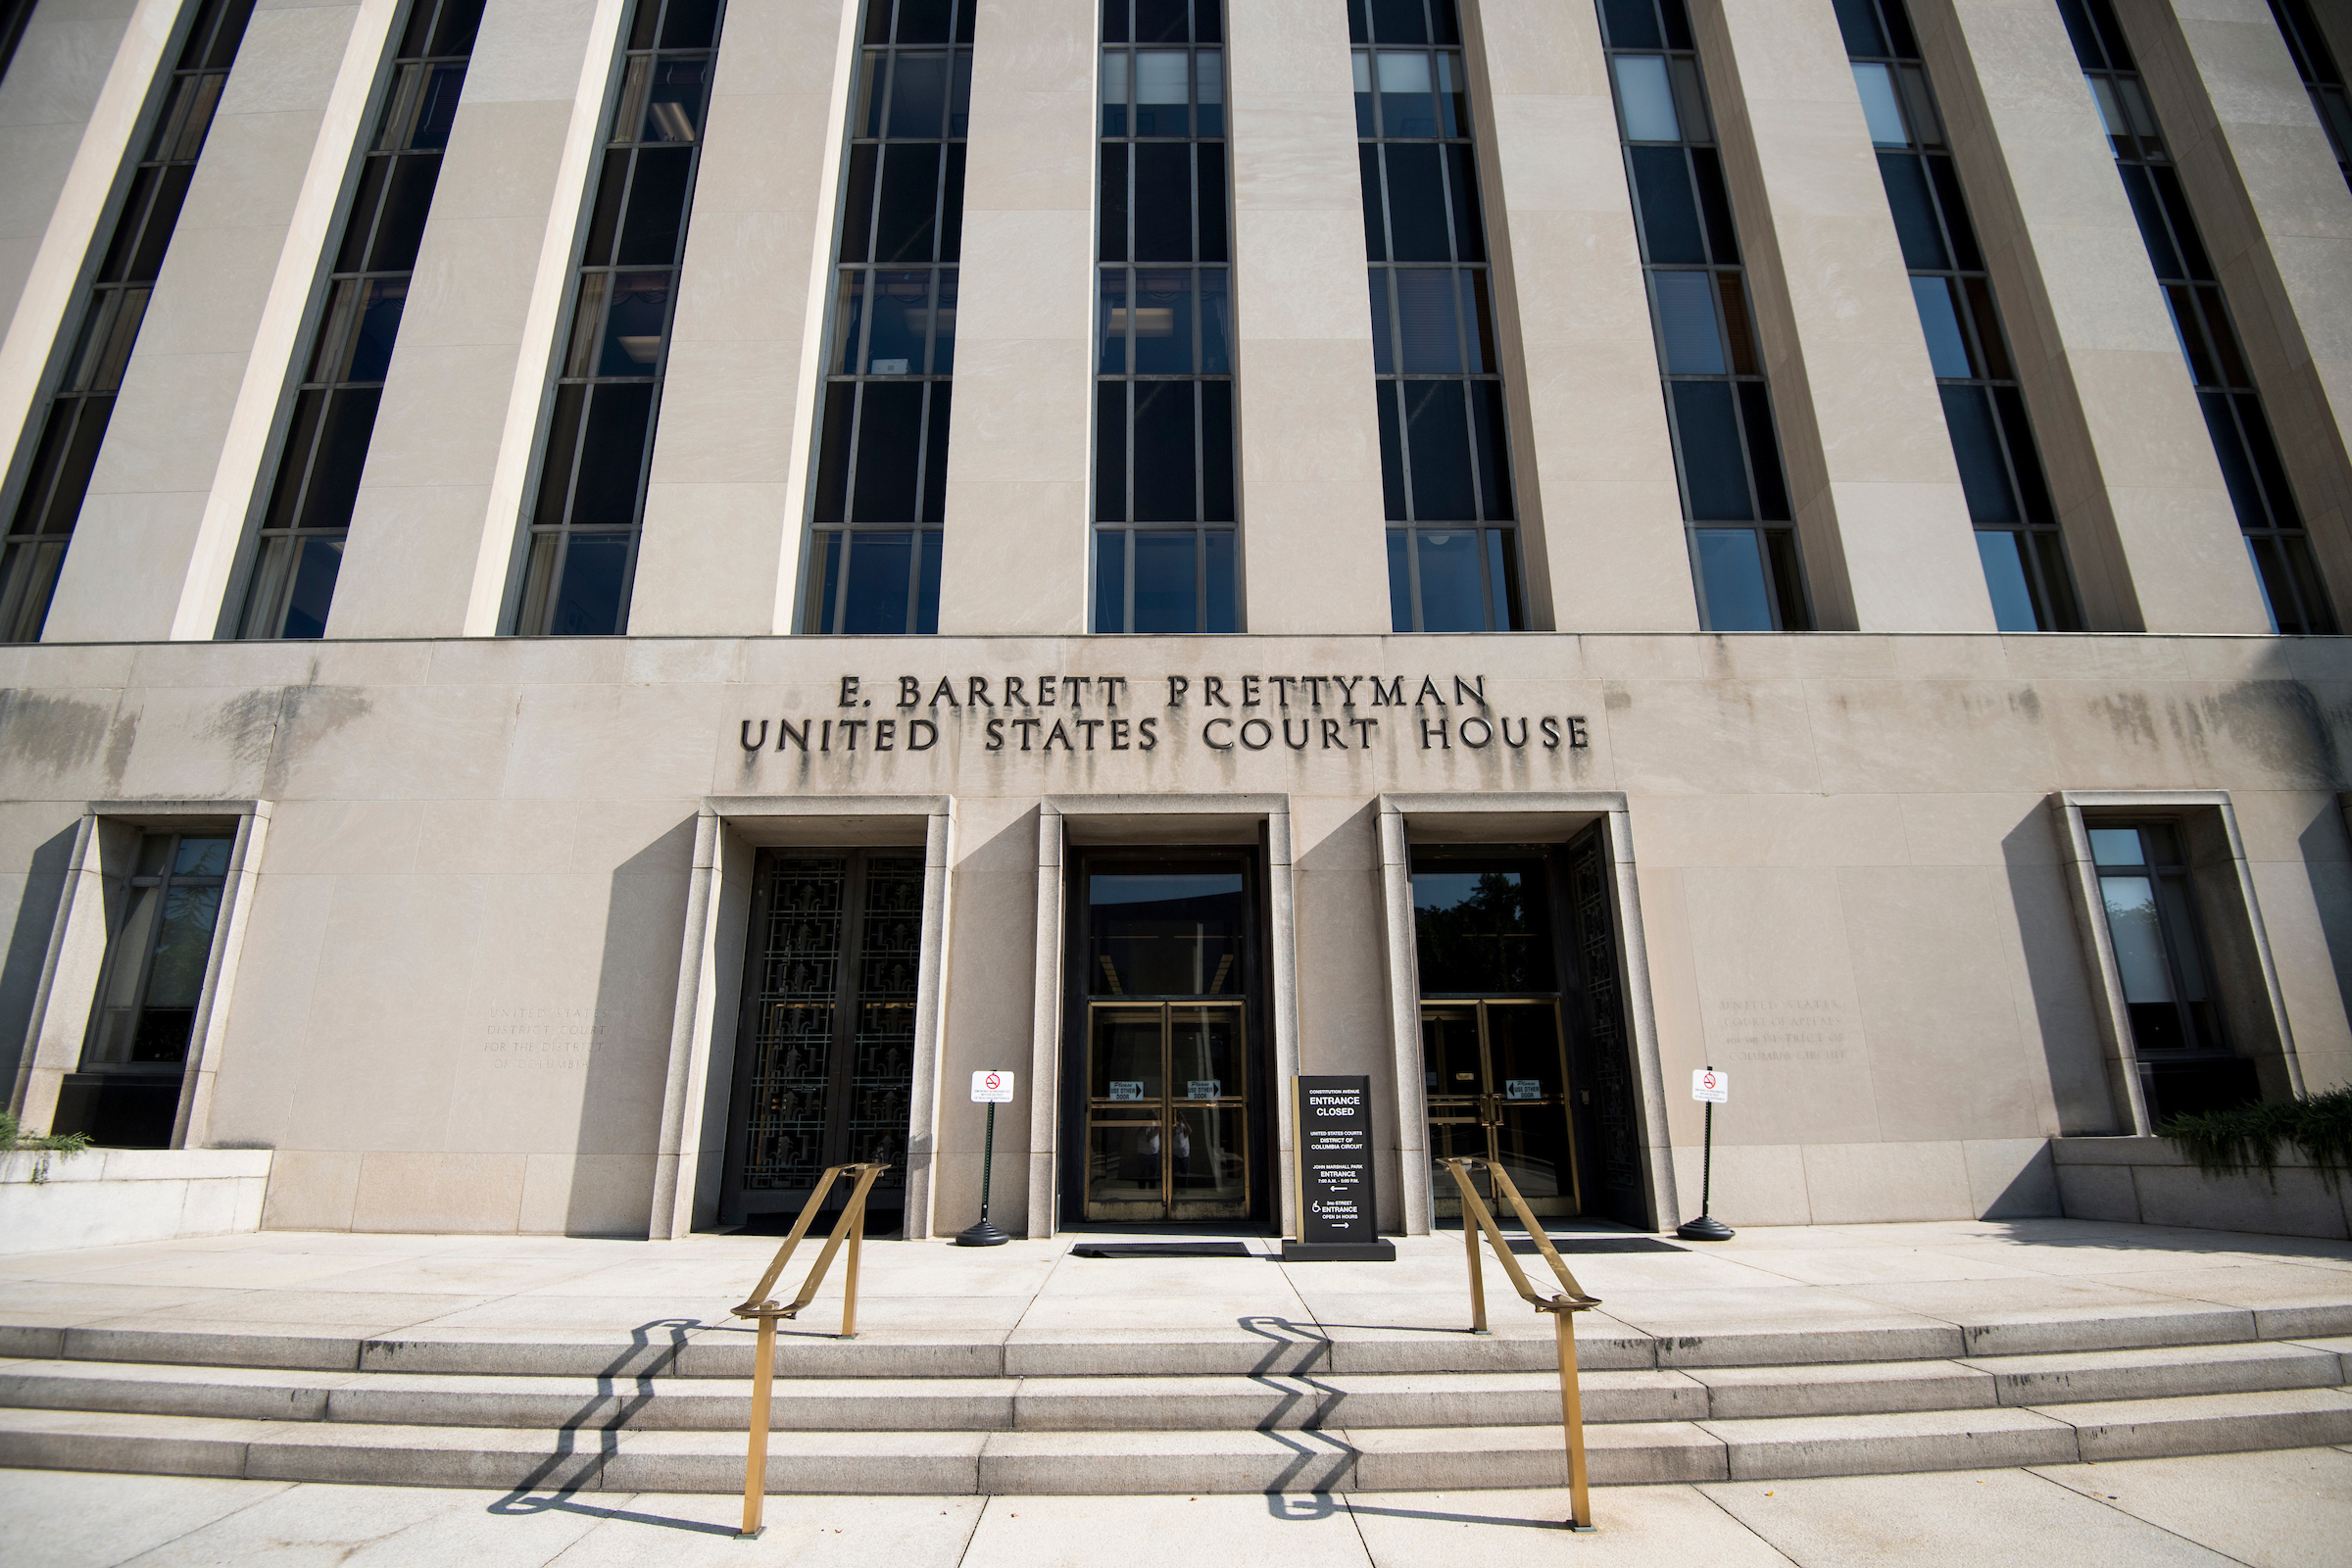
(1495, 1075)
(1168, 1113)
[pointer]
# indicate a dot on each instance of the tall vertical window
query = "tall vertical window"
(1743, 555)
(585, 522)
(1984, 408)
(1445, 442)
(1165, 502)
(2275, 539)
(882, 447)
(300, 549)
(106, 324)
(135, 1055)
(2321, 77)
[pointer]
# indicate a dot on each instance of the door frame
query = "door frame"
(1258, 1041)
(1519, 818)
(841, 1050)
(728, 831)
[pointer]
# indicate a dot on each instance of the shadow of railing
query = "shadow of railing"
(602, 1418)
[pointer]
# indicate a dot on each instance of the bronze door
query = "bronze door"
(825, 1056)
(1495, 1076)
(1168, 1125)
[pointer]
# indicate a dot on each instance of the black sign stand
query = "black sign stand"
(984, 1233)
(1332, 1129)
(1705, 1228)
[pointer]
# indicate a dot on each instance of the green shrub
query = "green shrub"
(13, 1137)
(2247, 1137)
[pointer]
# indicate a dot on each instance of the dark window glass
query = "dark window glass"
(289, 577)
(1719, 410)
(142, 1026)
(2148, 895)
(2321, 77)
(1164, 497)
(882, 440)
(1482, 927)
(104, 325)
(1445, 444)
(1984, 409)
(592, 469)
(2259, 492)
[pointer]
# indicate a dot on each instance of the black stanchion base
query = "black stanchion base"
(981, 1235)
(1705, 1228)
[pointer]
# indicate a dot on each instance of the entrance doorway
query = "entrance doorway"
(825, 1069)
(1520, 1045)
(1168, 1113)
(1166, 1124)
(1496, 1078)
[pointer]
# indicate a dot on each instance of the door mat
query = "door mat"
(1161, 1249)
(1598, 1243)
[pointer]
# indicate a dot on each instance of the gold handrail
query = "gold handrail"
(1563, 1308)
(852, 1225)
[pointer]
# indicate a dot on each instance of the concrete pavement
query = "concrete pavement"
(2290, 1509)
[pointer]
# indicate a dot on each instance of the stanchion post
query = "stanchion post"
(1478, 1280)
(848, 1292)
(1709, 1086)
(755, 1464)
(988, 1089)
(1571, 1300)
(1572, 1419)
(851, 1227)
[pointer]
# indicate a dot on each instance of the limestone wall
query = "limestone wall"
(454, 1006)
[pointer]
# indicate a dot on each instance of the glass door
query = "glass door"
(1495, 1076)
(1167, 1111)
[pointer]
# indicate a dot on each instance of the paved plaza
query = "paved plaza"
(298, 1300)
(1827, 1280)
(2290, 1509)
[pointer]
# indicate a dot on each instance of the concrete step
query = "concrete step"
(694, 1347)
(1159, 1403)
(1403, 1458)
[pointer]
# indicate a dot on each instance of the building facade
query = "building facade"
(604, 600)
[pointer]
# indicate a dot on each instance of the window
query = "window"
(1743, 555)
(1445, 435)
(582, 553)
(1984, 408)
(882, 446)
(1165, 502)
(2316, 64)
(106, 326)
(292, 576)
(2150, 901)
(2144, 886)
(143, 1025)
(2276, 541)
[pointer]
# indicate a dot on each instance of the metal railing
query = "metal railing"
(1563, 1308)
(852, 1227)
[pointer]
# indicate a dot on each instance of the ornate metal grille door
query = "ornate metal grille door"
(825, 1060)
(1605, 1062)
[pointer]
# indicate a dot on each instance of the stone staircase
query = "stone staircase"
(1274, 1406)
